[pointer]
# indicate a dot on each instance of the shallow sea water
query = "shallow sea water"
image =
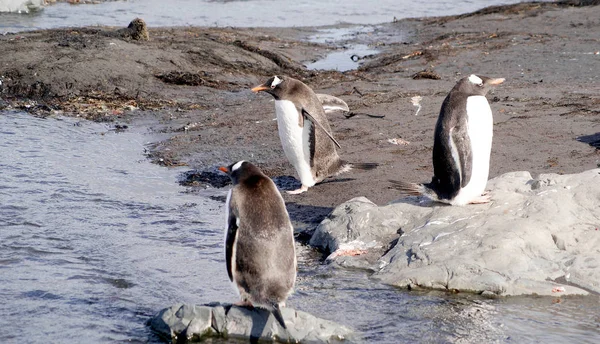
(93, 237)
(251, 13)
(94, 240)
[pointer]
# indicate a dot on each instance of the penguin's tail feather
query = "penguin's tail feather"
(343, 166)
(277, 314)
(410, 189)
(414, 189)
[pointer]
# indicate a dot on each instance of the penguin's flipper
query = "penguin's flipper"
(446, 165)
(230, 236)
(462, 143)
(314, 120)
(277, 314)
(332, 104)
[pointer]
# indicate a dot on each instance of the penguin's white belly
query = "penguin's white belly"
(480, 129)
(294, 139)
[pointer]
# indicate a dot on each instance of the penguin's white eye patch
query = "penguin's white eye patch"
(475, 80)
(237, 165)
(276, 81)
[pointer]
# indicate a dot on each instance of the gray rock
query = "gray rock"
(537, 236)
(198, 322)
(358, 229)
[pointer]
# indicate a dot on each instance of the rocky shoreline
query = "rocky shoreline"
(538, 236)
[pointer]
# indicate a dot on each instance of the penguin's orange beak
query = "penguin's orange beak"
(497, 81)
(223, 169)
(260, 88)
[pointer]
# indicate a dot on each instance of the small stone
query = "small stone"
(136, 30)
(426, 74)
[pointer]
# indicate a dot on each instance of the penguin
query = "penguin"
(259, 240)
(305, 132)
(462, 146)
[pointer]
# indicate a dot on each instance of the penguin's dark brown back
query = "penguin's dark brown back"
(255, 193)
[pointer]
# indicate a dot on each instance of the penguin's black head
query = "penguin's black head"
(475, 85)
(241, 171)
(277, 86)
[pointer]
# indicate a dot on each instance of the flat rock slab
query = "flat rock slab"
(537, 236)
(183, 322)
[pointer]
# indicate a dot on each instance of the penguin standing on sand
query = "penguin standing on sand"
(304, 130)
(462, 146)
(259, 240)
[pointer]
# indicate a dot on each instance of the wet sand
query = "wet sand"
(192, 85)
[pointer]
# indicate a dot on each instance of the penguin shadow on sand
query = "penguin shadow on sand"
(289, 183)
(336, 180)
(592, 140)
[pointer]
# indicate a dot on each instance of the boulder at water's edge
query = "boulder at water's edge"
(537, 236)
(198, 322)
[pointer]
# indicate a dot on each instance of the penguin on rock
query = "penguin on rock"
(462, 146)
(259, 240)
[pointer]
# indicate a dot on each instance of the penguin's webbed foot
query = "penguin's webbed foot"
(302, 189)
(484, 198)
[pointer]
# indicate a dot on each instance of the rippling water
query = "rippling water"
(250, 13)
(94, 240)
